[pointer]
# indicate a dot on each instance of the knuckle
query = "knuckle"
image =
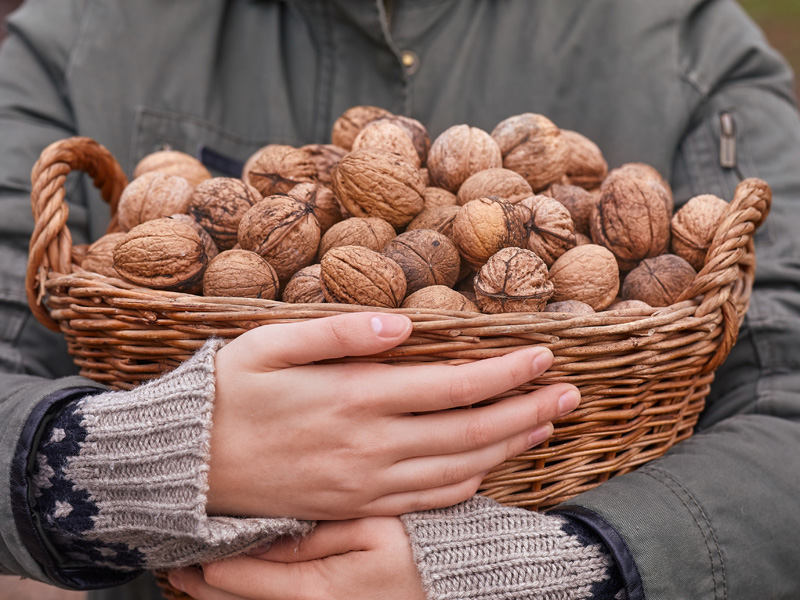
(463, 390)
(454, 472)
(339, 331)
(479, 432)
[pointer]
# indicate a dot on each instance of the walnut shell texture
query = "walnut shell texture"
(575, 307)
(371, 232)
(513, 280)
(648, 173)
(323, 203)
(551, 231)
(379, 184)
(694, 226)
(162, 254)
(173, 162)
(385, 136)
(436, 196)
(658, 281)
(440, 297)
(438, 218)
(588, 274)
(242, 274)
(532, 146)
(151, 196)
(416, 131)
(305, 286)
(100, 255)
(284, 231)
(586, 165)
(351, 121)
(208, 242)
(358, 275)
(278, 168)
(502, 183)
(459, 152)
(578, 202)
(484, 226)
(325, 157)
(427, 258)
(219, 204)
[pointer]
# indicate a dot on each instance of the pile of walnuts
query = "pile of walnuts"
(525, 218)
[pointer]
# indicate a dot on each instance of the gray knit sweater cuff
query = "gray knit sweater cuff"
(480, 550)
(144, 465)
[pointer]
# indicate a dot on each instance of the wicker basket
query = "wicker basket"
(643, 375)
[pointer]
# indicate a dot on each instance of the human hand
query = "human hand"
(361, 559)
(291, 438)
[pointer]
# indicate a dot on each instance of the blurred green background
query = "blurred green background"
(780, 20)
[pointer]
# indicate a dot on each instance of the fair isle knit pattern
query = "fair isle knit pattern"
(480, 550)
(122, 477)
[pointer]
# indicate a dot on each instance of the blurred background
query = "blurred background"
(780, 20)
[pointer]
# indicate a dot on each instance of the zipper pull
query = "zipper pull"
(727, 141)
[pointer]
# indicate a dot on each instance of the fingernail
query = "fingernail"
(389, 326)
(176, 581)
(540, 434)
(543, 360)
(568, 402)
(259, 550)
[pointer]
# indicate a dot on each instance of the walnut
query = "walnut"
(438, 218)
(208, 242)
(551, 231)
(658, 281)
(79, 253)
(278, 168)
(305, 286)
(631, 219)
(484, 226)
(162, 254)
(173, 162)
(630, 305)
(459, 152)
(358, 275)
(586, 273)
(100, 255)
(513, 280)
(284, 231)
(582, 240)
(379, 184)
(371, 232)
(426, 176)
(240, 273)
(586, 166)
(502, 183)
(351, 121)
(578, 202)
(440, 297)
(575, 307)
(323, 203)
(151, 196)
(650, 174)
(426, 257)
(532, 146)
(436, 196)
(694, 226)
(219, 204)
(416, 131)
(385, 136)
(325, 157)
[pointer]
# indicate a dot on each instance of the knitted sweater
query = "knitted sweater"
(121, 483)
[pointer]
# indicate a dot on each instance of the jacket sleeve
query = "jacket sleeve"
(35, 370)
(717, 516)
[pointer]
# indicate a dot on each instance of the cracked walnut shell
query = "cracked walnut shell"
(694, 226)
(586, 273)
(513, 280)
(242, 274)
(658, 281)
(358, 275)
(459, 152)
(484, 226)
(427, 258)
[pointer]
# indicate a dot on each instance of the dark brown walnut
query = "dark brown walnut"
(513, 280)
(151, 196)
(502, 183)
(484, 226)
(436, 196)
(650, 174)
(371, 232)
(323, 203)
(278, 168)
(575, 307)
(100, 255)
(586, 165)
(385, 136)
(631, 219)
(305, 286)
(208, 242)
(358, 275)
(416, 131)
(551, 231)
(379, 184)
(242, 274)
(578, 202)
(173, 162)
(219, 204)
(532, 146)
(351, 121)
(438, 218)
(658, 281)
(440, 297)
(162, 254)
(630, 305)
(588, 274)
(282, 230)
(325, 157)
(694, 226)
(427, 258)
(458, 153)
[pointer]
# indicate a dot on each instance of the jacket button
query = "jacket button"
(410, 61)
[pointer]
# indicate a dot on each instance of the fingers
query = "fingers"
(257, 579)
(190, 581)
(286, 345)
(328, 539)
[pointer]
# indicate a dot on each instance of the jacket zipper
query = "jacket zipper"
(727, 141)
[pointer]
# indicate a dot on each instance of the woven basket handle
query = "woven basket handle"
(51, 243)
(730, 263)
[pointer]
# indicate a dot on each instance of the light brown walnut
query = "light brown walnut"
(588, 274)
(484, 226)
(325, 158)
(151, 196)
(579, 202)
(173, 162)
(219, 204)
(436, 196)
(371, 232)
(351, 121)
(575, 307)
(551, 231)
(100, 255)
(440, 297)
(438, 218)
(427, 258)
(278, 168)
(586, 165)
(242, 274)
(416, 131)
(305, 286)
(502, 183)
(358, 275)
(323, 203)
(658, 281)
(513, 280)
(651, 174)
(383, 135)
(459, 152)
(208, 242)
(694, 226)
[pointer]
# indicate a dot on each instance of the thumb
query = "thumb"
(291, 344)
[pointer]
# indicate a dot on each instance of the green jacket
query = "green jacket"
(648, 80)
